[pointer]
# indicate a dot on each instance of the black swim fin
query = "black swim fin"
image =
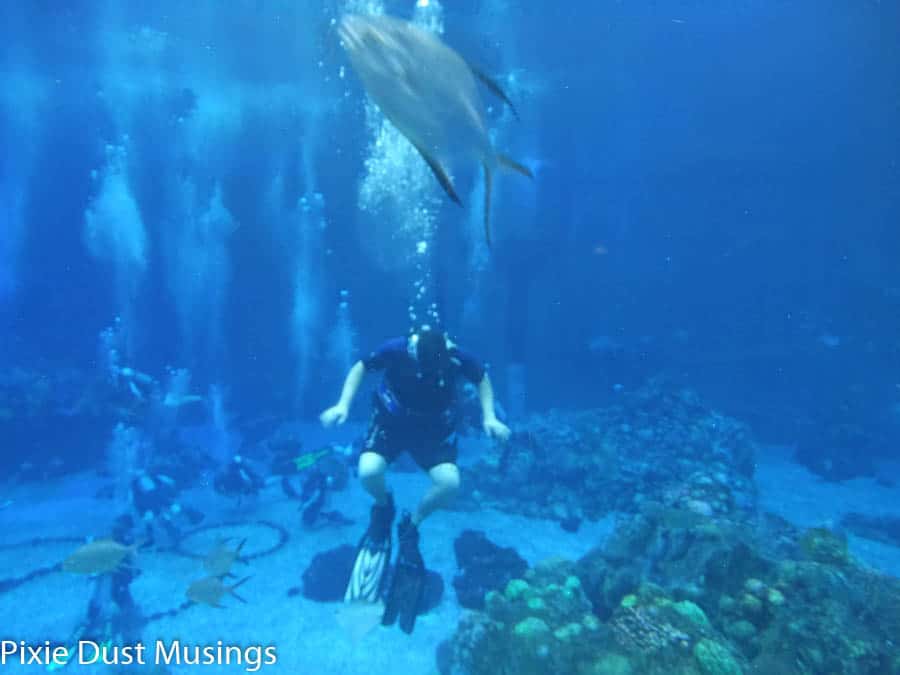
(373, 556)
(408, 583)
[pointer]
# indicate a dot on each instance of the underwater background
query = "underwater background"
(690, 316)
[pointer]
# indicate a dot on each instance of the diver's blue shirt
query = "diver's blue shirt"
(405, 390)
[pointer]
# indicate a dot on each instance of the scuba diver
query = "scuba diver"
(154, 496)
(238, 479)
(313, 499)
(320, 473)
(112, 617)
(414, 411)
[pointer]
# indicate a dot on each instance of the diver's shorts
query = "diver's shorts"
(428, 441)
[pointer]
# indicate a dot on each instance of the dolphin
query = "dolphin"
(429, 92)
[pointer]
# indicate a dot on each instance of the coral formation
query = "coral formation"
(656, 445)
(484, 567)
(674, 592)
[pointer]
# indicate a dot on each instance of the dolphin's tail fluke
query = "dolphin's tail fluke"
(507, 163)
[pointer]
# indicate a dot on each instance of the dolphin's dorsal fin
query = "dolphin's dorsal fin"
(439, 173)
(491, 84)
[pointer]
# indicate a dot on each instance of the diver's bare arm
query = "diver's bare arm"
(486, 396)
(351, 384)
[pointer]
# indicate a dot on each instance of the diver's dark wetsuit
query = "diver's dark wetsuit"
(414, 412)
(112, 613)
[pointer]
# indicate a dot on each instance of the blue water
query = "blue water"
(199, 202)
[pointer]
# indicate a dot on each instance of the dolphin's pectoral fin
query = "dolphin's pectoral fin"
(488, 180)
(495, 88)
(440, 174)
(505, 161)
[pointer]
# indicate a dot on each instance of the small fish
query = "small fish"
(307, 459)
(219, 561)
(61, 660)
(336, 518)
(429, 93)
(176, 401)
(358, 619)
(98, 557)
(605, 344)
(829, 340)
(211, 590)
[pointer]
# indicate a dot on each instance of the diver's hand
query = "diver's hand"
(336, 414)
(494, 428)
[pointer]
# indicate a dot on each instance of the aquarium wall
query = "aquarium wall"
(723, 220)
(531, 337)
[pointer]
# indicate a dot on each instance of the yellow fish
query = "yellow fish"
(219, 561)
(98, 557)
(211, 590)
(358, 619)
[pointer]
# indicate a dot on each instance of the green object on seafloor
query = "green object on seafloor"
(307, 459)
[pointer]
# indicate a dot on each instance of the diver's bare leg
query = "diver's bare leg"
(445, 485)
(372, 467)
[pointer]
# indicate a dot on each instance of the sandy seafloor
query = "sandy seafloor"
(308, 635)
